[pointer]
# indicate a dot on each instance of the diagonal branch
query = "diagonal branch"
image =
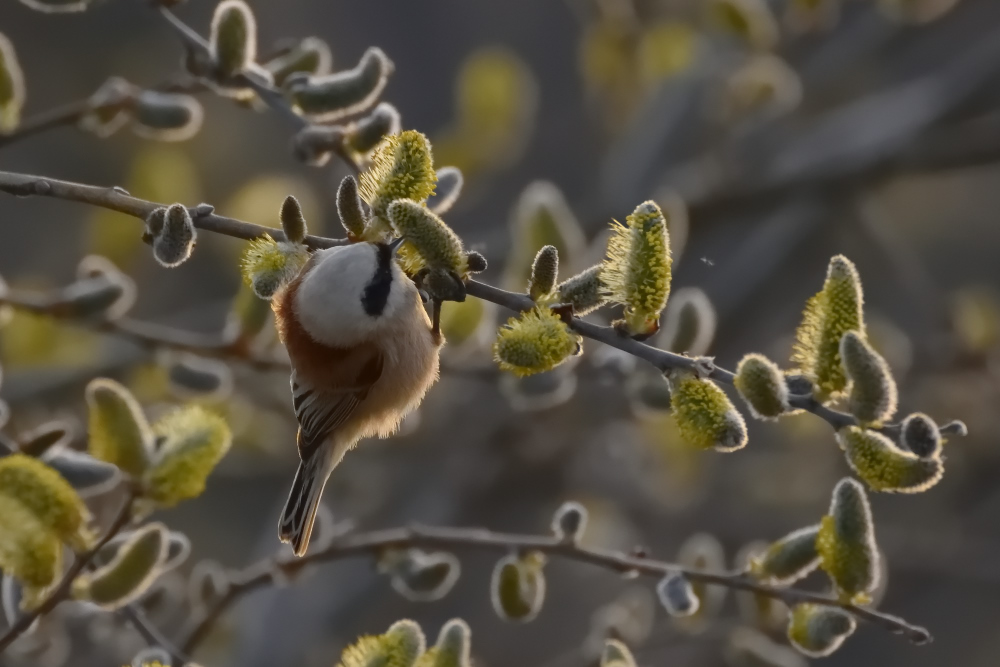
(374, 543)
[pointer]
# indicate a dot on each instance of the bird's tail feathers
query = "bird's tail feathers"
(299, 515)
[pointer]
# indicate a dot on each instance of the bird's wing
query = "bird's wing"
(320, 411)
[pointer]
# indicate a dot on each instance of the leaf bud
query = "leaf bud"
(677, 596)
(310, 56)
(873, 393)
(11, 87)
(705, 416)
(166, 116)
(333, 96)
(544, 273)
(118, 431)
(762, 385)
(449, 188)
(173, 245)
(365, 134)
(518, 587)
(818, 631)
(434, 241)
(535, 342)
(233, 37)
(48, 497)
(569, 522)
(130, 573)
(846, 543)
(688, 323)
(424, 577)
(789, 559)
(919, 434)
(584, 291)
(885, 467)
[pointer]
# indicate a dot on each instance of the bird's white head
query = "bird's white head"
(351, 292)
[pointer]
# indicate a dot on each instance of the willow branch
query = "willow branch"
(152, 335)
(373, 544)
(62, 589)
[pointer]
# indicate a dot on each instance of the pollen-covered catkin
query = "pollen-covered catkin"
(569, 522)
(873, 394)
(334, 96)
(367, 132)
(193, 441)
(885, 467)
(705, 416)
(434, 241)
(536, 341)
(920, 434)
(585, 291)
(130, 573)
(831, 313)
(637, 271)
(401, 168)
(267, 264)
(233, 37)
(118, 430)
(787, 560)
(11, 86)
(400, 646)
(173, 245)
(544, 272)
(29, 552)
(293, 223)
(677, 595)
(518, 587)
(48, 497)
(846, 543)
(818, 631)
(762, 385)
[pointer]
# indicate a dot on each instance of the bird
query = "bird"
(363, 353)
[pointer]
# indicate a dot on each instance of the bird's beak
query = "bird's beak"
(395, 243)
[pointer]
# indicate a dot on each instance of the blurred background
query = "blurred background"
(816, 127)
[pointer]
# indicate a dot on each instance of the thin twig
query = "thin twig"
(150, 334)
(62, 589)
(374, 543)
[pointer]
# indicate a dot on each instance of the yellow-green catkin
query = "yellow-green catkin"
(920, 434)
(762, 385)
(818, 631)
(166, 116)
(335, 96)
(401, 168)
(585, 291)
(616, 654)
(435, 244)
(637, 270)
(535, 342)
(29, 552)
(787, 560)
(192, 441)
(705, 416)
(400, 646)
(310, 56)
(831, 313)
(873, 394)
(544, 273)
(846, 543)
(130, 573)
(452, 648)
(518, 587)
(885, 467)
(11, 86)
(233, 38)
(750, 21)
(48, 497)
(267, 264)
(118, 432)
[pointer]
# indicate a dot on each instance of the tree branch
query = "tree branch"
(374, 543)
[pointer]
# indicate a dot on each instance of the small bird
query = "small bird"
(363, 354)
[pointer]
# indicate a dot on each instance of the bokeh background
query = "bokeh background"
(878, 140)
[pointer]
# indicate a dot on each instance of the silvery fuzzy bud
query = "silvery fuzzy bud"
(310, 56)
(166, 116)
(677, 596)
(334, 96)
(787, 560)
(544, 273)
(873, 393)
(518, 587)
(423, 577)
(452, 647)
(293, 223)
(352, 215)
(366, 133)
(542, 216)
(569, 522)
(616, 654)
(920, 434)
(175, 241)
(449, 188)
(88, 476)
(689, 323)
(130, 573)
(233, 37)
(90, 298)
(314, 145)
(110, 107)
(584, 291)
(96, 266)
(819, 631)
(762, 385)
(191, 376)
(11, 87)
(846, 542)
